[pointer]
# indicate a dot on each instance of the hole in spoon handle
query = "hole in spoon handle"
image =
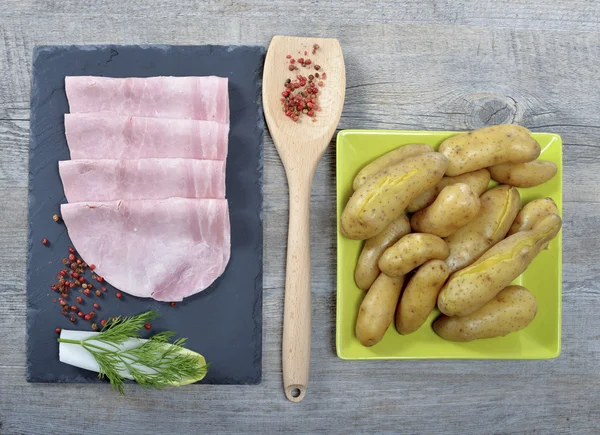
(295, 393)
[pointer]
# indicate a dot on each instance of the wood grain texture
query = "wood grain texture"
(414, 65)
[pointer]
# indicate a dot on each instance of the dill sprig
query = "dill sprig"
(152, 363)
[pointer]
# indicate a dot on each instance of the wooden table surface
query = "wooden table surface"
(410, 65)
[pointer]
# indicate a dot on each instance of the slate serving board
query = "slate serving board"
(224, 322)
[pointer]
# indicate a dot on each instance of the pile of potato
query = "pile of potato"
(461, 246)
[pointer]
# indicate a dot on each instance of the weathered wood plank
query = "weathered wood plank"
(410, 66)
(530, 14)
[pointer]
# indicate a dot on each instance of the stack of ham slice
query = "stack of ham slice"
(146, 183)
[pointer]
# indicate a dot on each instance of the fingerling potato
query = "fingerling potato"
(376, 311)
(511, 310)
(528, 174)
(499, 207)
(478, 180)
(472, 287)
(488, 146)
(411, 251)
(367, 269)
(385, 196)
(419, 296)
(455, 206)
(388, 159)
(532, 213)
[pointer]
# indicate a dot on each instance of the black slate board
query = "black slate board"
(224, 322)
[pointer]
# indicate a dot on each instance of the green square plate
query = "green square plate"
(540, 340)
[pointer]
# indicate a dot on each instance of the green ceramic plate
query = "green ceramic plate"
(540, 340)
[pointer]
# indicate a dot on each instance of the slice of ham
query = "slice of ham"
(110, 136)
(164, 249)
(205, 98)
(108, 180)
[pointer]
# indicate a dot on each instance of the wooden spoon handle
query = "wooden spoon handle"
(297, 308)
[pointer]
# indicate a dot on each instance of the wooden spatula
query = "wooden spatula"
(301, 145)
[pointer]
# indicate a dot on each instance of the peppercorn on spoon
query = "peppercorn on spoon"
(301, 144)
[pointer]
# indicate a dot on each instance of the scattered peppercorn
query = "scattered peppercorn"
(147, 326)
(45, 241)
(58, 330)
(56, 218)
(95, 327)
(172, 304)
(72, 276)
(103, 322)
(299, 96)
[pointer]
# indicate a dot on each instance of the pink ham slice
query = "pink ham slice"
(108, 180)
(111, 136)
(164, 249)
(205, 98)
